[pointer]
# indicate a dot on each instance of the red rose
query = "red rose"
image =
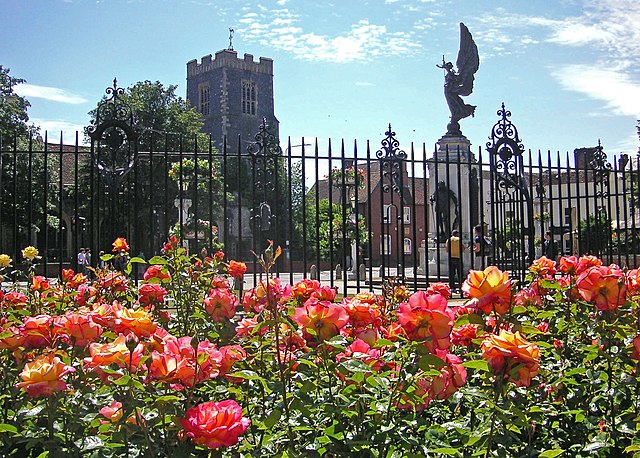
(214, 424)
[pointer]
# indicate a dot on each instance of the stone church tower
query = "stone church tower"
(233, 95)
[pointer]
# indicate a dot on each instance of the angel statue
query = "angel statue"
(460, 83)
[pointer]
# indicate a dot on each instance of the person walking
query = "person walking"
(455, 248)
(550, 248)
(80, 258)
(478, 248)
(87, 263)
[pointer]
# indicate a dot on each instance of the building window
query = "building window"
(407, 215)
(407, 246)
(249, 97)
(386, 214)
(204, 99)
(568, 215)
(385, 244)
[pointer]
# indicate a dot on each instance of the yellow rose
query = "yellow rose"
(5, 260)
(30, 253)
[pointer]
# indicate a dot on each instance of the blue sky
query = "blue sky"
(569, 71)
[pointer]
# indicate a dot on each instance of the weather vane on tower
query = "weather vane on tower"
(230, 48)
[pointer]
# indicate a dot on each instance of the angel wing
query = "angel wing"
(468, 61)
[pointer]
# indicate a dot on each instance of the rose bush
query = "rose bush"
(182, 364)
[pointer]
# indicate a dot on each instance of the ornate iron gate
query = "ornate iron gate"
(512, 218)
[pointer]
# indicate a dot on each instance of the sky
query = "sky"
(568, 70)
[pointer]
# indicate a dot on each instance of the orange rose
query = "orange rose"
(490, 288)
(138, 321)
(156, 271)
(80, 328)
(568, 265)
(112, 412)
(543, 267)
(603, 286)
(115, 352)
(325, 318)
(511, 355)
(237, 269)
(120, 244)
(214, 424)
(41, 377)
(221, 304)
(39, 283)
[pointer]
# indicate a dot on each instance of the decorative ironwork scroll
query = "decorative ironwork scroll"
(511, 193)
(117, 137)
(506, 148)
(391, 157)
(601, 170)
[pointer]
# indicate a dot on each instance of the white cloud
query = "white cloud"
(279, 29)
(49, 93)
(55, 126)
(364, 83)
(617, 89)
(608, 28)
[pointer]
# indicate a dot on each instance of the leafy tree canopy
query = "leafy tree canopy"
(158, 110)
(13, 108)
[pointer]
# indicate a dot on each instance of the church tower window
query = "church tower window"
(204, 99)
(249, 97)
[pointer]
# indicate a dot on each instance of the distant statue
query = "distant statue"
(445, 200)
(460, 83)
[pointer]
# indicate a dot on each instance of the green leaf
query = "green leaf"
(122, 381)
(355, 365)
(6, 428)
(43, 455)
(107, 257)
(478, 364)
(551, 453)
(246, 374)
(273, 418)
(157, 260)
(632, 448)
(137, 260)
(430, 361)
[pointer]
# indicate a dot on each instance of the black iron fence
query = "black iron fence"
(352, 215)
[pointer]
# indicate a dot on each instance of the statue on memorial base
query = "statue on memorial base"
(460, 83)
(446, 203)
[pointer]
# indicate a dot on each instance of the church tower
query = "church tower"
(233, 95)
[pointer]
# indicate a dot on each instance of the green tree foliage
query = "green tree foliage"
(22, 175)
(165, 119)
(324, 222)
(13, 108)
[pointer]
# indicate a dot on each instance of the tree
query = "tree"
(22, 175)
(324, 224)
(13, 108)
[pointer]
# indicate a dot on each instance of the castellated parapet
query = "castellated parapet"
(229, 59)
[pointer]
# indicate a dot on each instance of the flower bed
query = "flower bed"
(180, 365)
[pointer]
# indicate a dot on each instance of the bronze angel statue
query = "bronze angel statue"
(460, 83)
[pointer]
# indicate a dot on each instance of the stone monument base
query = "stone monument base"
(454, 144)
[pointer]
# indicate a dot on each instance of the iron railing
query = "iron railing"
(342, 214)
